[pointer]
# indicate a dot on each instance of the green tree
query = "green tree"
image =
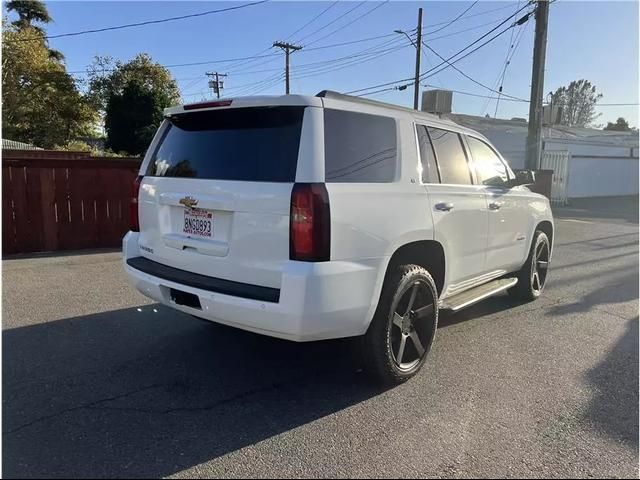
(621, 125)
(578, 103)
(30, 11)
(132, 117)
(41, 103)
(132, 97)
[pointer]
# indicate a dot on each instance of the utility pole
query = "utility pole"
(216, 84)
(288, 48)
(534, 136)
(416, 81)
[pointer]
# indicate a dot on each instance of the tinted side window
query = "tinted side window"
(451, 157)
(489, 168)
(359, 147)
(427, 157)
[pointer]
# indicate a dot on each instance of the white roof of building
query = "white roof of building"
(15, 145)
(557, 132)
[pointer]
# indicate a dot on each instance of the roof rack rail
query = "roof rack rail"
(350, 98)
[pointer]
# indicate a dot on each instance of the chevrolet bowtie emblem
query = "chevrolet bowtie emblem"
(188, 202)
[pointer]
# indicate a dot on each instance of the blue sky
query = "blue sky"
(593, 40)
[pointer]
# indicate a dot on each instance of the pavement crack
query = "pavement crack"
(233, 398)
(80, 407)
(99, 404)
(608, 312)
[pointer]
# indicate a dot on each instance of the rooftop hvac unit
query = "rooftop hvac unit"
(437, 101)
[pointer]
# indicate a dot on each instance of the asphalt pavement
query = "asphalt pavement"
(100, 382)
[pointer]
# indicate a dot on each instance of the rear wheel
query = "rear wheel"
(402, 330)
(533, 275)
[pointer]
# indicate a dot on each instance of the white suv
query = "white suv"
(310, 218)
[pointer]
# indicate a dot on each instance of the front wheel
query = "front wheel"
(533, 275)
(403, 327)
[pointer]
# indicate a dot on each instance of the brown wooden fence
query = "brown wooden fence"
(64, 200)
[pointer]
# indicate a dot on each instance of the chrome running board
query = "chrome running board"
(474, 295)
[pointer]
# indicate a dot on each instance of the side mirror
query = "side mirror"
(524, 177)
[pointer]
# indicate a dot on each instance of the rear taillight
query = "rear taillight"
(309, 232)
(135, 223)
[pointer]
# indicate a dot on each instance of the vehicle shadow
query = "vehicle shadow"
(614, 406)
(150, 392)
(621, 290)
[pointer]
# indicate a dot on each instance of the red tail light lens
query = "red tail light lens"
(309, 233)
(135, 223)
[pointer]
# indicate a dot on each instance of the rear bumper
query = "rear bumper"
(317, 300)
(202, 282)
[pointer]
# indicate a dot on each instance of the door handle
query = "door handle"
(444, 206)
(495, 205)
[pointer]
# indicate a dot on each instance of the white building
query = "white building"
(586, 162)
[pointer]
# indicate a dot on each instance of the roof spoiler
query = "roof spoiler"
(366, 101)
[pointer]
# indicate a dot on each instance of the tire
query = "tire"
(532, 277)
(409, 289)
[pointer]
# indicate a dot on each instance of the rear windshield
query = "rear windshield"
(250, 144)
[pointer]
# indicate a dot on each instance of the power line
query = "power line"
(388, 89)
(249, 89)
(265, 85)
(617, 104)
(302, 66)
(448, 61)
(318, 68)
(455, 19)
(510, 53)
(373, 56)
(499, 83)
(140, 24)
(249, 86)
(381, 48)
(467, 76)
(507, 62)
(241, 88)
(271, 57)
(251, 61)
(450, 64)
(458, 32)
(313, 19)
(459, 52)
(430, 65)
(368, 39)
(247, 61)
(331, 22)
(191, 64)
(527, 101)
(462, 92)
(485, 12)
(351, 22)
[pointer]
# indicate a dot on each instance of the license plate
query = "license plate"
(198, 222)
